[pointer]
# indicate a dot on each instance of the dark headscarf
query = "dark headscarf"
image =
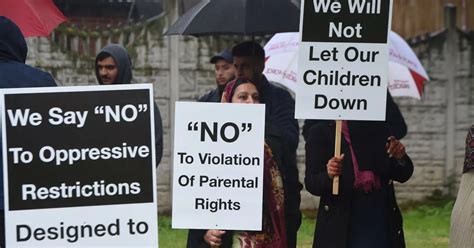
(123, 61)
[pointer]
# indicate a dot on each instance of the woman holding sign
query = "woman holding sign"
(273, 234)
(365, 213)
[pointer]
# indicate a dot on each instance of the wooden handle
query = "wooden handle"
(337, 153)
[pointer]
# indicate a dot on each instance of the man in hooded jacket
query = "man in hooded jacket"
(14, 73)
(114, 66)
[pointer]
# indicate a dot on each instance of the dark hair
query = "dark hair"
(103, 55)
(249, 49)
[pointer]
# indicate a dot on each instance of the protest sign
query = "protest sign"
(79, 166)
(218, 166)
(343, 59)
(343, 62)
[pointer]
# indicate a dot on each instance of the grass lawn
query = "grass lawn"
(428, 225)
(425, 225)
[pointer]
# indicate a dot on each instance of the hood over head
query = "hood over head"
(12, 42)
(123, 61)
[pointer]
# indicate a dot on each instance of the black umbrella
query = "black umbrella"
(244, 17)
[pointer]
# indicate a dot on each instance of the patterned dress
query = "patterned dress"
(273, 234)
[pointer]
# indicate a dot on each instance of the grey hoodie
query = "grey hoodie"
(124, 76)
(123, 61)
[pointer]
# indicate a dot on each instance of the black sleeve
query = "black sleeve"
(307, 127)
(158, 135)
(283, 119)
(286, 162)
(394, 119)
(316, 179)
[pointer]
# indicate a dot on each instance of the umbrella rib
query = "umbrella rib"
(197, 13)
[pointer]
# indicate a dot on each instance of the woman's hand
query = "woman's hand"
(214, 238)
(395, 148)
(334, 166)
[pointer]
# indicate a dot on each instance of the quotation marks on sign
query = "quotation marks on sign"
(228, 132)
(118, 113)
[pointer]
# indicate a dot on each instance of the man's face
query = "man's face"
(224, 71)
(246, 67)
(107, 70)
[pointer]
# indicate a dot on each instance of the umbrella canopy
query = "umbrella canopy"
(34, 17)
(244, 17)
(406, 74)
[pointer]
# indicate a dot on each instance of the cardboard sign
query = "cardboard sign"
(343, 59)
(218, 166)
(79, 166)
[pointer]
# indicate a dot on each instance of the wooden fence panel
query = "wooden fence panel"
(416, 17)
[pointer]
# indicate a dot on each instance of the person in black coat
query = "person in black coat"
(14, 73)
(365, 213)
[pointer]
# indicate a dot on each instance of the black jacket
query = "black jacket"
(280, 112)
(212, 96)
(333, 218)
(14, 73)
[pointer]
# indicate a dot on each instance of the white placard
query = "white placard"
(343, 59)
(79, 166)
(218, 166)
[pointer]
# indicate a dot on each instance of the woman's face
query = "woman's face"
(246, 93)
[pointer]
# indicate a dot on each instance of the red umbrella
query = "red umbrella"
(34, 17)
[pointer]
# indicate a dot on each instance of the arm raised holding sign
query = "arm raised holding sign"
(365, 212)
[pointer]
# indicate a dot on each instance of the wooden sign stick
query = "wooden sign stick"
(337, 153)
